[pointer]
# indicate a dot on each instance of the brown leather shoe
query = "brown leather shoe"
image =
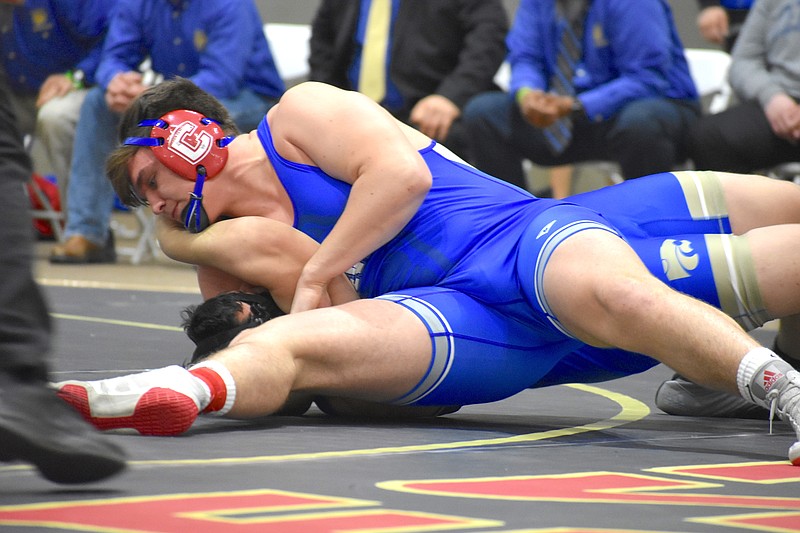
(78, 249)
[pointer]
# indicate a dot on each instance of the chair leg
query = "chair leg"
(786, 172)
(47, 211)
(146, 242)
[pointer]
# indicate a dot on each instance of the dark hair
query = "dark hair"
(213, 324)
(155, 102)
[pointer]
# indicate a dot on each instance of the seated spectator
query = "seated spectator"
(763, 129)
(605, 80)
(219, 45)
(438, 55)
(720, 21)
(51, 49)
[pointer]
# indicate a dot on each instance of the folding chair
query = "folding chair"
(145, 235)
(709, 70)
(786, 171)
(290, 48)
(47, 211)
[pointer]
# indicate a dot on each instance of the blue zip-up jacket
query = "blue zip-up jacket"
(218, 44)
(48, 37)
(631, 51)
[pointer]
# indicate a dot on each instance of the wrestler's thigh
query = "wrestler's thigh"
(757, 201)
(374, 348)
(591, 279)
(479, 353)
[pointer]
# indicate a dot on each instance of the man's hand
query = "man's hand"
(713, 24)
(433, 116)
(783, 114)
(308, 294)
(542, 109)
(123, 89)
(54, 86)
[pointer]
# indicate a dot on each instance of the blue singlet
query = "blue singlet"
(470, 261)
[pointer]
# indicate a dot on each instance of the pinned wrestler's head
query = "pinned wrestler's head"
(213, 324)
(174, 138)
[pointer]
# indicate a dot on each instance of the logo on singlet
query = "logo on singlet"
(678, 258)
(354, 275)
(545, 230)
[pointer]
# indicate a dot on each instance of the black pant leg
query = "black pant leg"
(24, 320)
(739, 139)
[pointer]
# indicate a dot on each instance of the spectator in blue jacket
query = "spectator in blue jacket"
(51, 49)
(219, 45)
(632, 97)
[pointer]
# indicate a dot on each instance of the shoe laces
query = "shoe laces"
(784, 400)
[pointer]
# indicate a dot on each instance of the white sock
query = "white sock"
(220, 384)
(758, 370)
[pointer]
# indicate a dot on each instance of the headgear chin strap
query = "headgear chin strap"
(193, 147)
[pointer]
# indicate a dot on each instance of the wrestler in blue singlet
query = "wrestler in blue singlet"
(470, 261)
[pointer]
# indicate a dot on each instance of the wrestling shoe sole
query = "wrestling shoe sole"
(794, 454)
(159, 411)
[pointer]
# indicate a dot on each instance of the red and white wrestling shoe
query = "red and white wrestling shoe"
(165, 401)
(784, 399)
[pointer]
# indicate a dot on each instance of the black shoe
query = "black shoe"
(38, 427)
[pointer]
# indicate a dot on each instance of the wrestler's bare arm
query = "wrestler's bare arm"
(248, 252)
(352, 139)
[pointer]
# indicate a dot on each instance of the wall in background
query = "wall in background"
(302, 11)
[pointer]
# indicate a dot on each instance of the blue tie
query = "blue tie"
(570, 49)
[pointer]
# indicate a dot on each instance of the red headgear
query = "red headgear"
(184, 141)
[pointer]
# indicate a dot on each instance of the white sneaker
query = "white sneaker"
(784, 399)
(165, 401)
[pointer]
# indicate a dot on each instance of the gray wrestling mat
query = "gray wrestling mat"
(570, 458)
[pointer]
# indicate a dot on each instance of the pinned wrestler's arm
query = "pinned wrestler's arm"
(252, 252)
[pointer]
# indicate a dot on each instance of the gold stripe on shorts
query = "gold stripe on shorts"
(703, 193)
(735, 280)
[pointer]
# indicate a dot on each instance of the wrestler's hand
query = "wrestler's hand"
(309, 292)
(433, 116)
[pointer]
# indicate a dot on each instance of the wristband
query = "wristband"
(76, 77)
(521, 94)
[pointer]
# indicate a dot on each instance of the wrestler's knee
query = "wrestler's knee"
(263, 371)
(621, 301)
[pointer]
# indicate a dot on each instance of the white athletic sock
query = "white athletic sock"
(758, 371)
(220, 384)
